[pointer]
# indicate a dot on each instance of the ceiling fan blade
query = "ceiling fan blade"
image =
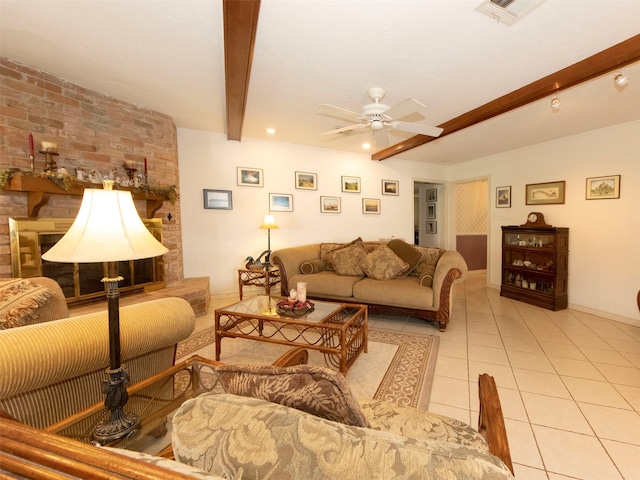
(418, 128)
(407, 107)
(345, 129)
(342, 110)
(380, 138)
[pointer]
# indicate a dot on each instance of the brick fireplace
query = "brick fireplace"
(93, 132)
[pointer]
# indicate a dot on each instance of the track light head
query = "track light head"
(620, 79)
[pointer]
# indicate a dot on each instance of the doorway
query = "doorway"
(472, 222)
(429, 214)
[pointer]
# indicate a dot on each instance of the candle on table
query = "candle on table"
(31, 150)
(302, 291)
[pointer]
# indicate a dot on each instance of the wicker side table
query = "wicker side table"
(259, 278)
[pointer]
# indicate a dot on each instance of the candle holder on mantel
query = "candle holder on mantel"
(50, 163)
(131, 171)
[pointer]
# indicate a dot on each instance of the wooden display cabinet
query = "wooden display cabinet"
(535, 264)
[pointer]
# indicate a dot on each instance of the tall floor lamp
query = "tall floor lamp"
(108, 229)
(267, 224)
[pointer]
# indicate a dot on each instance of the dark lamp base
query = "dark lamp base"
(119, 424)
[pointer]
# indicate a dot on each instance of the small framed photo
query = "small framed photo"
(432, 227)
(330, 205)
(351, 184)
(280, 202)
(390, 187)
(600, 188)
(306, 181)
(218, 199)
(250, 177)
(503, 197)
(432, 195)
(431, 211)
(549, 193)
(370, 205)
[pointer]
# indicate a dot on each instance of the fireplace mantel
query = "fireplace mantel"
(38, 190)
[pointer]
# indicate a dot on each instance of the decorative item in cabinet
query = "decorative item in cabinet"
(535, 260)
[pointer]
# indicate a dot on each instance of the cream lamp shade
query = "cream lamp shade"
(107, 229)
(269, 223)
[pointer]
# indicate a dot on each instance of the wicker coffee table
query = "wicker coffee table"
(338, 330)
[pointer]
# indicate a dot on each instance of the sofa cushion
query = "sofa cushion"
(430, 256)
(400, 292)
(426, 279)
(346, 261)
(227, 434)
(406, 252)
(316, 390)
(19, 302)
(326, 249)
(312, 266)
(326, 284)
(383, 264)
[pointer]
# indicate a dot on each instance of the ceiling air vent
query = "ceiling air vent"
(508, 11)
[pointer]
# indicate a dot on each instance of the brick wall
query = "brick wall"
(93, 131)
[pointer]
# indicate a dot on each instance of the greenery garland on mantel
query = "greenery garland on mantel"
(66, 181)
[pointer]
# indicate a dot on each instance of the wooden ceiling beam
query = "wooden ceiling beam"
(240, 25)
(618, 56)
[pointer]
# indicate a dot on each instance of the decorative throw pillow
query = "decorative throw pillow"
(346, 261)
(312, 266)
(19, 300)
(406, 252)
(316, 390)
(426, 279)
(430, 256)
(383, 264)
(326, 249)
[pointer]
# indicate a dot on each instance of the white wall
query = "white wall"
(216, 242)
(604, 235)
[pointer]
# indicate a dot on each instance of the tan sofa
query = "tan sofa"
(404, 294)
(54, 368)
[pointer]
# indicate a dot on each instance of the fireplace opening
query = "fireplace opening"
(80, 282)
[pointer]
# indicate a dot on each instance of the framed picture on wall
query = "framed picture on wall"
(431, 211)
(351, 184)
(280, 202)
(503, 197)
(370, 205)
(432, 227)
(218, 199)
(390, 187)
(330, 205)
(600, 188)
(549, 193)
(306, 181)
(432, 195)
(250, 177)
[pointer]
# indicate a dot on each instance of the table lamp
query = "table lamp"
(268, 223)
(108, 229)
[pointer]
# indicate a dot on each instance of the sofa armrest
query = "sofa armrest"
(288, 260)
(36, 356)
(451, 267)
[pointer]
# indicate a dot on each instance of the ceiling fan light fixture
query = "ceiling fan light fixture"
(620, 79)
(366, 146)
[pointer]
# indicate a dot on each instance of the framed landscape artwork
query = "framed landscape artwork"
(370, 205)
(250, 177)
(218, 199)
(503, 197)
(280, 202)
(351, 184)
(545, 193)
(390, 187)
(306, 181)
(330, 204)
(600, 188)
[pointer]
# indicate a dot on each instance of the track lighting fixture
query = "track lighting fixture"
(555, 103)
(620, 79)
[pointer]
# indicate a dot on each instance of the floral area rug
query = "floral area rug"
(397, 368)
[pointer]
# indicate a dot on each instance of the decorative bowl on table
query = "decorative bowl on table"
(296, 309)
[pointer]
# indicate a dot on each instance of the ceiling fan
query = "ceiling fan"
(379, 117)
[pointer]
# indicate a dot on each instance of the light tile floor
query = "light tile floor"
(569, 382)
